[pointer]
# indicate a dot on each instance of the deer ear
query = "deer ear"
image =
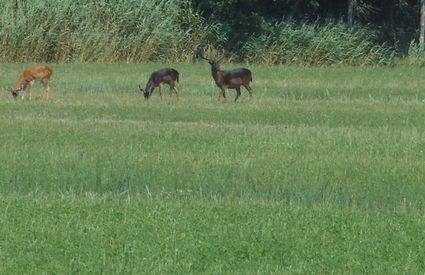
(199, 52)
(141, 89)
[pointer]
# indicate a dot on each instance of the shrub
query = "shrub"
(415, 56)
(317, 44)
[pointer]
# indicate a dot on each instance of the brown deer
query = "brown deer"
(27, 79)
(158, 78)
(232, 79)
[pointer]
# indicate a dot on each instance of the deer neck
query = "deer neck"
(20, 84)
(216, 73)
(149, 86)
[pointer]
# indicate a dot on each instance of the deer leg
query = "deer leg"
(46, 88)
(173, 88)
(160, 89)
(21, 93)
(249, 89)
(221, 93)
(238, 93)
(30, 88)
(176, 91)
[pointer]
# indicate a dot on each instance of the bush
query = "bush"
(317, 44)
(415, 56)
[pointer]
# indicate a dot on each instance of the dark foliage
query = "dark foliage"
(397, 21)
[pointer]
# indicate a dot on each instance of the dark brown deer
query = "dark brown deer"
(158, 78)
(232, 79)
(27, 79)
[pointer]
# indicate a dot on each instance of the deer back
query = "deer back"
(237, 76)
(166, 75)
(35, 73)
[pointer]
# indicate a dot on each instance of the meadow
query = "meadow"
(322, 172)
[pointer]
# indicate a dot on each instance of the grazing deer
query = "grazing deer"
(232, 79)
(27, 79)
(158, 78)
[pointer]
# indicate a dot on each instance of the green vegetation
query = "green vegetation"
(69, 30)
(170, 31)
(317, 44)
(116, 234)
(321, 172)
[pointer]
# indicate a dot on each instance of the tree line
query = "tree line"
(397, 22)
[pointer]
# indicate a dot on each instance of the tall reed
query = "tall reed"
(168, 31)
(100, 30)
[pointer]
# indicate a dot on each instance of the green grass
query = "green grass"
(321, 172)
(104, 234)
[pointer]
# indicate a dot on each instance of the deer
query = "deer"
(231, 79)
(158, 78)
(27, 79)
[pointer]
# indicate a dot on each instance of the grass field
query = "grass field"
(322, 172)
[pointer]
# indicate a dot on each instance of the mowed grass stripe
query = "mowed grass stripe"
(290, 113)
(366, 167)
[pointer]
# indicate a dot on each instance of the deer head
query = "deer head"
(215, 63)
(15, 92)
(146, 94)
